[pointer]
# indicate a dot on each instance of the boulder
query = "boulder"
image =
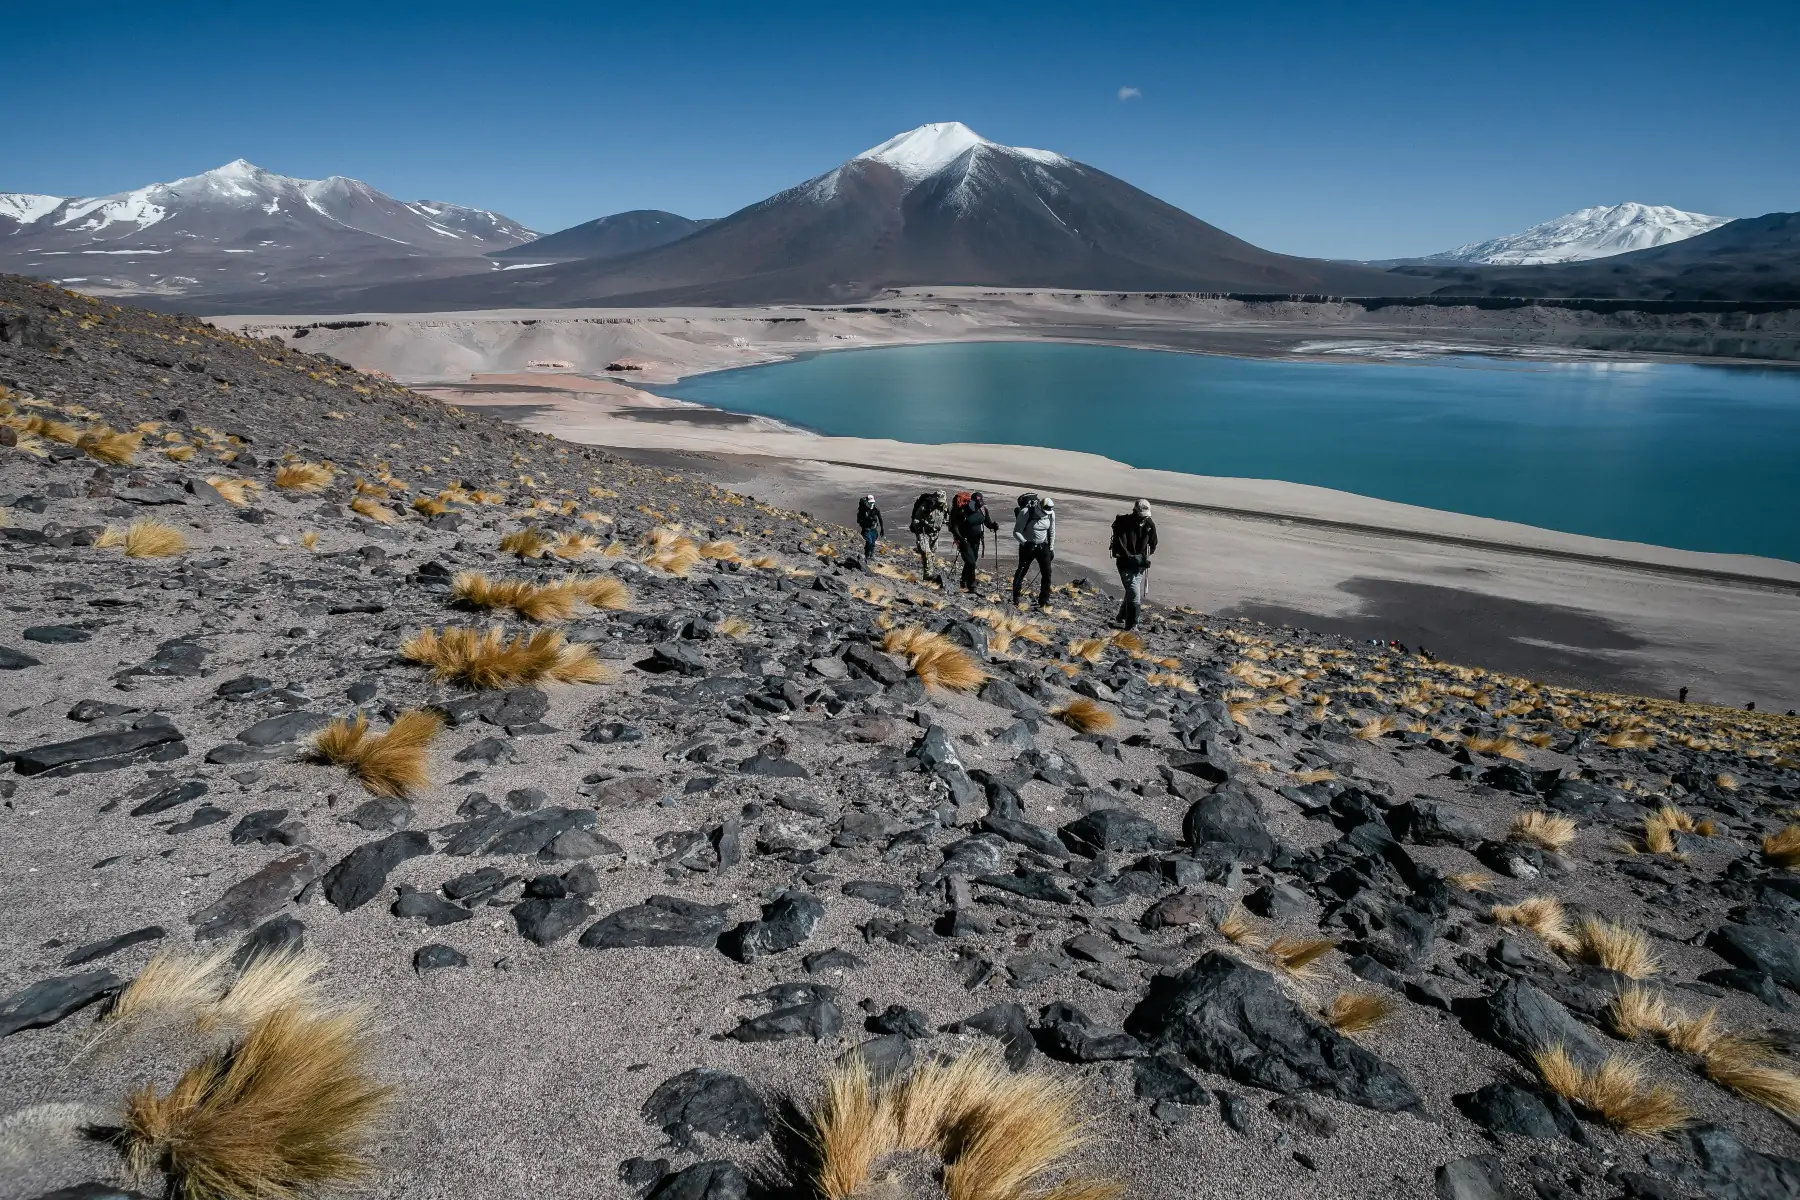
(1234, 1020)
(1521, 1020)
(260, 895)
(1230, 817)
(659, 921)
(361, 874)
(715, 1103)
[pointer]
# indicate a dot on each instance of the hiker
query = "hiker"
(969, 521)
(1683, 699)
(928, 514)
(1133, 542)
(1034, 528)
(868, 519)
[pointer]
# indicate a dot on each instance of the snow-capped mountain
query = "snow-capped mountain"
(235, 225)
(939, 204)
(1598, 232)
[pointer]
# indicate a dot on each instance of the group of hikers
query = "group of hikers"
(968, 520)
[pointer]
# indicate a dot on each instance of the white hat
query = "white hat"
(1049, 503)
(1141, 508)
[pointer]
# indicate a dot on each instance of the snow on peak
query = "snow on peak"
(1597, 232)
(26, 207)
(922, 152)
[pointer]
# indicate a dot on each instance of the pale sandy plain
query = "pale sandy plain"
(1615, 615)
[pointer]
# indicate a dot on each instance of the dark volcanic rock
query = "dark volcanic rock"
(1726, 1169)
(112, 945)
(360, 874)
(1006, 1022)
(713, 1180)
(284, 934)
(1521, 1020)
(1477, 1177)
(57, 635)
(99, 750)
(428, 909)
(817, 1019)
(659, 921)
(436, 957)
(706, 1101)
(1425, 823)
(543, 921)
(284, 728)
(1230, 817)
(1507, 1108)
(16, 660)
(1110, 829)
(1235, 1020)
(1761, 949)
(786, 922)
(250, 900)
(1159, 1077)
(50, 1000)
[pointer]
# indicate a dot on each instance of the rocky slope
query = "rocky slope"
(764, 840)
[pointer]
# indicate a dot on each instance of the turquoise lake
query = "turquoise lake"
(1699, 457)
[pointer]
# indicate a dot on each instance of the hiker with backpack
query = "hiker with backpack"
(868, 519)
(928, 514)
(969, 520)
(1133, 542)
(1034, 528)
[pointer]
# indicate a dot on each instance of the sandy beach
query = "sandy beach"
(1552, 605)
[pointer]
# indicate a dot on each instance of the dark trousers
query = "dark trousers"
(869, 542)
(1029, 554)
(971, 555)
(1132, 578)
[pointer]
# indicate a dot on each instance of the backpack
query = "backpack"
(959, 503)
(1033, 506)
(924, 508)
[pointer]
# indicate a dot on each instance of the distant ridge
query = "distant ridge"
(1588, 233)
(607, 237)
(240, 226)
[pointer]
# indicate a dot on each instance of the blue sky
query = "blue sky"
(1343, 130)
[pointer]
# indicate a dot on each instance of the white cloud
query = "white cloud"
(1131, 93)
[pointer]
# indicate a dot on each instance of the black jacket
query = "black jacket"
(968, 522)
(1133, 539)
(868, 516)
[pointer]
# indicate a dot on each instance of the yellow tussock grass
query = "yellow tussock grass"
(1498, 747)
(172, 985)
(732, 627)
(1128, 641)
(1089, 650)
(1299, 956)
(1542, 915)
(1783, 849)
(768, 562)
(110, 446)
(1170, 679)
(575, 545)
(430, 506)
(1629, 739)
(310, 539)
(1084, 715)
(1694, 1035)
(283, 1111)
(532, 601)
(1315, 775)
(998, 1134)
(1237, 928)
(1376, 727)
(235, 489)
(1637, 1011)
(365, 506)
(1661, 826)
(304, 477)
(1352, 1012)
(488, 659)
(528, 542)
(1470, 881)
(387, 764)
(720, 551)
(1749, 1068)
(268, 983)
(1616, 947)
(1616, 1092)
(1550, 831)
(178, 453)
(603, 592)
(1239, 710)
(148, 538)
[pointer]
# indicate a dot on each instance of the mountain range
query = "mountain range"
(239, 226)
(937, 205)
(1598, 232)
